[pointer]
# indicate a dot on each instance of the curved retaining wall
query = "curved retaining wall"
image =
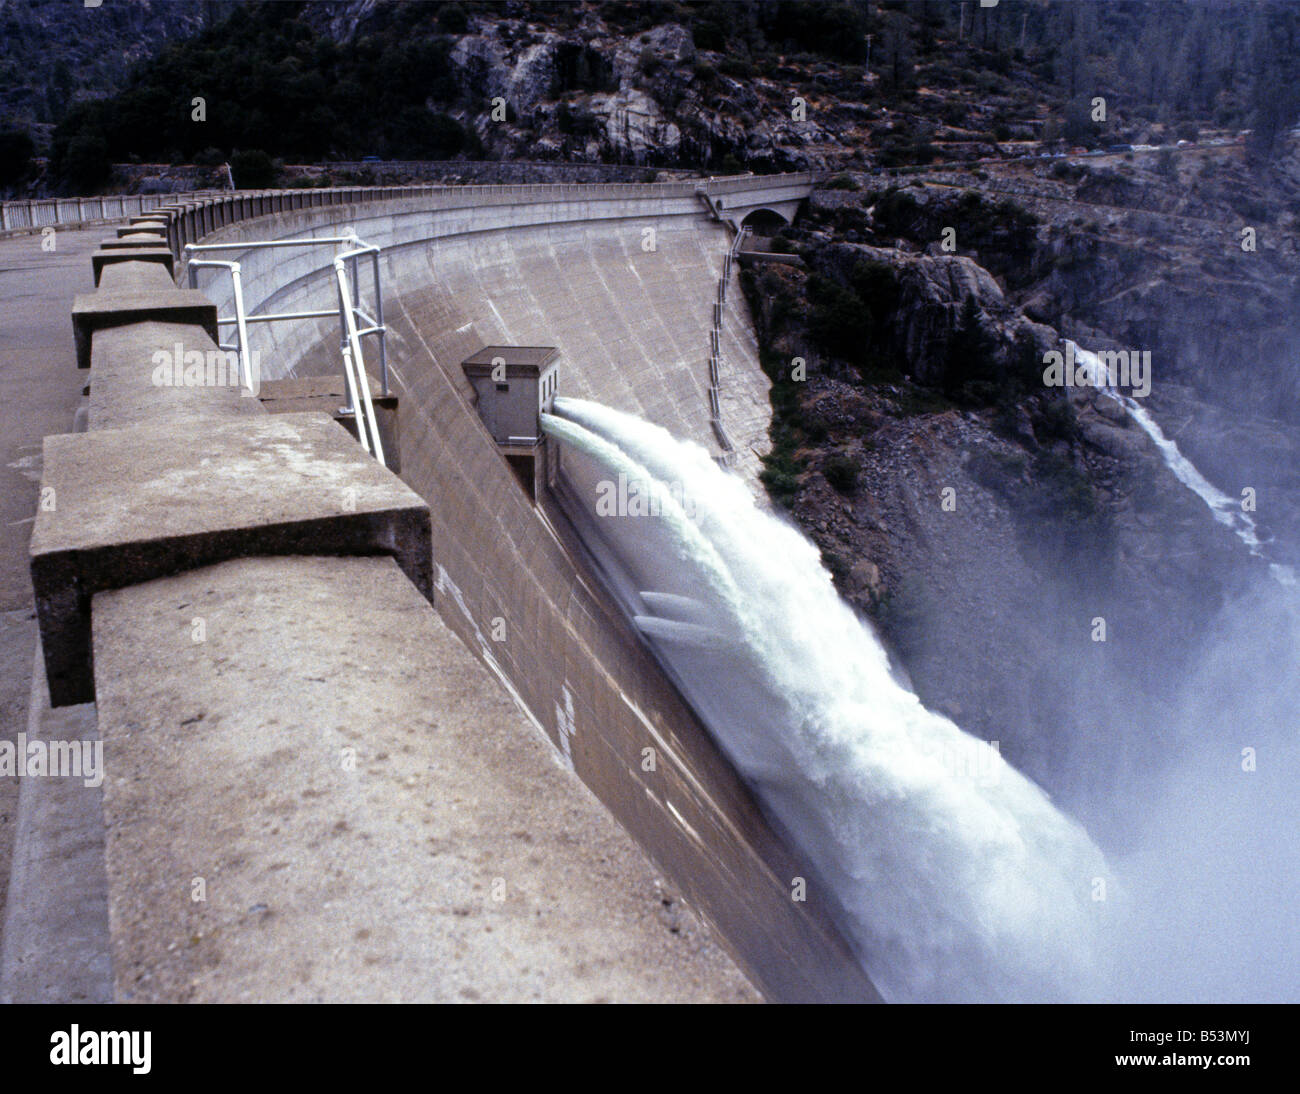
(632, 325)
(472, 264)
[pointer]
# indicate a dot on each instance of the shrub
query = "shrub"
(253, 169)
(1066, 490)
(86, 163)
(837, 318)
(452, 19)
(836, 563)
(781, 485)
(738, 67)
(1057, 421)
(876, 287)
(16, 152)
(968, 372)
(842, 473)
(896, 211)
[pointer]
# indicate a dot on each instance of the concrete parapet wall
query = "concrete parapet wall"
(124, 392)
(35, 214)
(132, 505)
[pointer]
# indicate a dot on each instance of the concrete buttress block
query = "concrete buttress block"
(149, 229)
(101, 310)
(129, 505)
(107, 257)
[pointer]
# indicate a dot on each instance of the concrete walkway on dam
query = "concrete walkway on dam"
(451, 858)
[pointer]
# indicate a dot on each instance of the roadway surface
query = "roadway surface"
(40, 387)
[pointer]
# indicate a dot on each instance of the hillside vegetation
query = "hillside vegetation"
(705, 85)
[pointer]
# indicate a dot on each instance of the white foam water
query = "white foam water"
(1226, 511)
(954, 876)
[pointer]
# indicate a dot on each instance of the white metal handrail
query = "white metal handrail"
(354, 368)
(374, 325)
(238, 319)
(349, 310)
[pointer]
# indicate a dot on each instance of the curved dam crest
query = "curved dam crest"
(632, 324)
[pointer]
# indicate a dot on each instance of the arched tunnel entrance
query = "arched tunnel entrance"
(764, 222)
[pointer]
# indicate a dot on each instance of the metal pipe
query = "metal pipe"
(350, 382)
(379, 325)
(272, 317)
(244, 358)
(358, 363)
(353, 400)
(241, 329)
(350, 405)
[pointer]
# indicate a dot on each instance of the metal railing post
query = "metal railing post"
(240, 318)
(354, 370)
(379, 322)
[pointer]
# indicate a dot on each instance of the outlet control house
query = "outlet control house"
(514, 385)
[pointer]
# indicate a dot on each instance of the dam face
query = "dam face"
(624, 287)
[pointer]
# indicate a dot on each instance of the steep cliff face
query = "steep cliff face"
(985, 521)
(50, 53)
(650, 98)
(1206, 280)
(581, 84)
(1191, 258)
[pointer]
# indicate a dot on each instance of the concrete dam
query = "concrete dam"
(244, 595)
